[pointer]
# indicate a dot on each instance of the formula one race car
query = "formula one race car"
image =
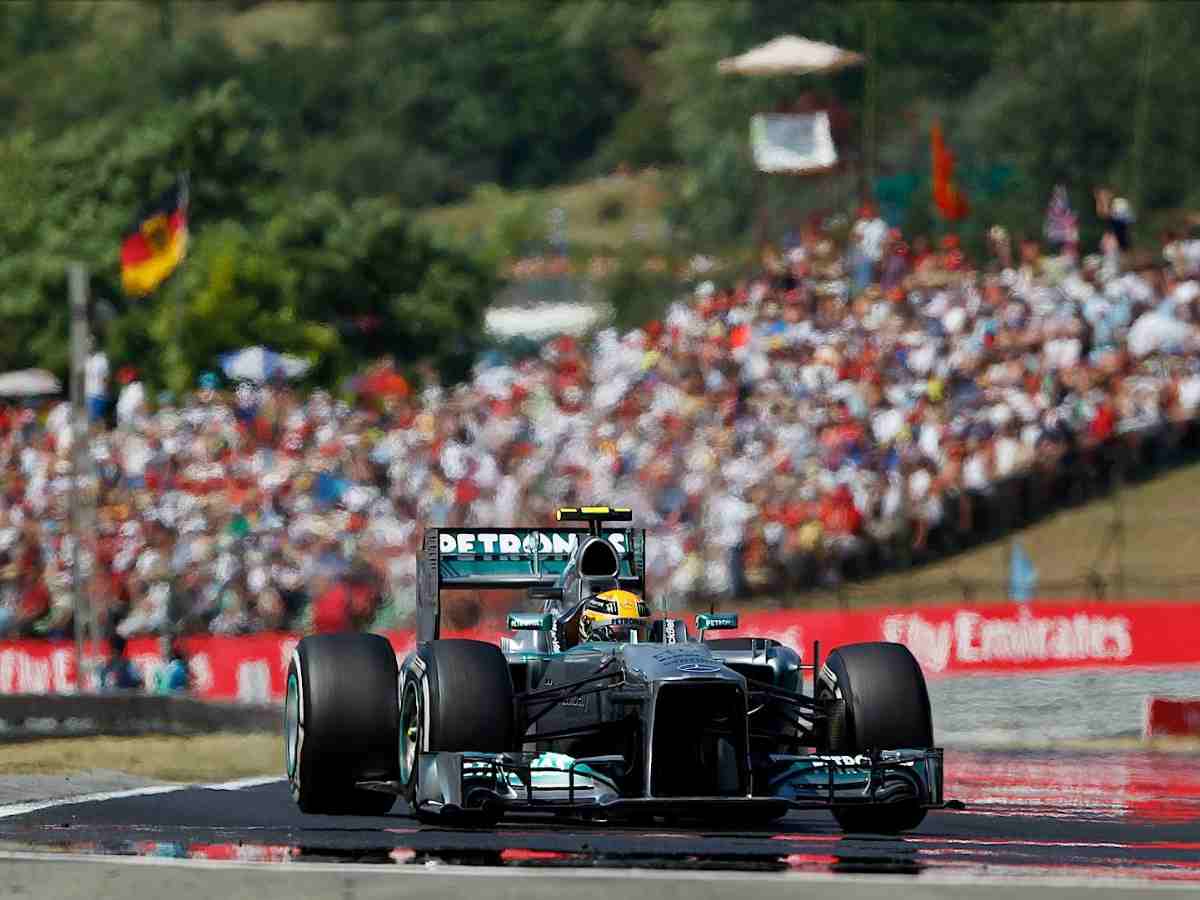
(598, 710)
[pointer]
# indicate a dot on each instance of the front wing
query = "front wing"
(454, 783)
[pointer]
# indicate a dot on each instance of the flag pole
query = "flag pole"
(184, 200)
(77, 287)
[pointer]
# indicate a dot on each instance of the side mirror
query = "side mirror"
(522, 621)
(716, 621)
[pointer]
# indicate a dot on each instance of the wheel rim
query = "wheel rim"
(291, 724)
(410, 733)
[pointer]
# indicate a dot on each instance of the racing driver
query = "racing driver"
(611, 614)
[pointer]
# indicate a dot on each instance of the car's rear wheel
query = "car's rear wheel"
(341, 722)
(469, 693)
(876, 699)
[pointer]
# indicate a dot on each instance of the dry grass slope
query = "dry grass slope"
(1159, 554)
(206, 758)
(603, 214)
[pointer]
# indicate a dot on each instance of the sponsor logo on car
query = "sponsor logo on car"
(509, 543)
(678, 654)
(842, 761)
(699, 668)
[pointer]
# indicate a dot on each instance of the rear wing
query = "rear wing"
(511, 558)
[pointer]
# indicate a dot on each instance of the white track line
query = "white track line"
(240, 784)
(20, 809)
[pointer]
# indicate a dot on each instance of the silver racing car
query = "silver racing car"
(597, 709)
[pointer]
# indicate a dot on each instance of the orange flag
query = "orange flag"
(950, 201)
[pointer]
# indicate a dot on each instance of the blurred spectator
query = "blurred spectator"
(131, 402)
(1115, 213)
(95, 381)
(331, 608)
(119, 673)
(172, 677)
(34, 601)
(846, 407)
(867, 239)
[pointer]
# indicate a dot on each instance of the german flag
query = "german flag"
(156, 244)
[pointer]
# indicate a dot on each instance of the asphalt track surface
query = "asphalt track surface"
(1122, 822)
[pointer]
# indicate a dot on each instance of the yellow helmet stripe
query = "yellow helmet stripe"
(627, 602)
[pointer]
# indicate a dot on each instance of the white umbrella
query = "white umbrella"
(258, 364)
(543, 320)
(790, 55)
(28, 383)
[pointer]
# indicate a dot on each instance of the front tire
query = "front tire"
(341, 723)
(469, 692)
(877, 700)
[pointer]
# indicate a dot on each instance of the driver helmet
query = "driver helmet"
(615, 615)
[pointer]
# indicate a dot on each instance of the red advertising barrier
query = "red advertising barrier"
(249, 668)
(1007, 637)
(1172, 717)
(947, 640)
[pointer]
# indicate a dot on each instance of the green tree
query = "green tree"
(476, 92)
(1092, 94)
(265, 265)
(916, 45)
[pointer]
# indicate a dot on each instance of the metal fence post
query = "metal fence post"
(80, 456)
(1119, 517)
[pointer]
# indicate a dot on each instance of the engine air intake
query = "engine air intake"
(598, 559)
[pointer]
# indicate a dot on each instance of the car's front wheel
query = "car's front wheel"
(876, 699)
(469, 694)
(341, 723)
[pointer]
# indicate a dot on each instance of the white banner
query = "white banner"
(795, 142)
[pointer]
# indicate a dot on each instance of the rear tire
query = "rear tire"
(877, 700)
(470, 696)
(341, 723)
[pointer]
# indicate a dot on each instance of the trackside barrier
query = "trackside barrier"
(1172, 717)
(950, 639)
(26, 716)
(1009, 638)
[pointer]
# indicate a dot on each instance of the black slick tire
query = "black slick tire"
(877, 700)
(341, 723)
(469, 693)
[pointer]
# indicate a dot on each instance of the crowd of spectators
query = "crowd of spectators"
(847, 405)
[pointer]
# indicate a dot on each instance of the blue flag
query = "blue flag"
(1022, 576)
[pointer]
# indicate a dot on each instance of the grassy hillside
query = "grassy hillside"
(602, 215)
(1160, 556)
(202, 757)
